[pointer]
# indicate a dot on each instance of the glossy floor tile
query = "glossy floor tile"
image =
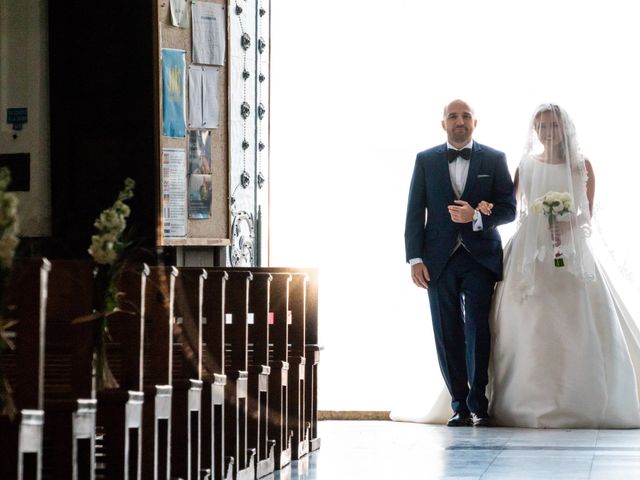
(372, 450)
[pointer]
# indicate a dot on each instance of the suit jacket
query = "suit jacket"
(431, 193)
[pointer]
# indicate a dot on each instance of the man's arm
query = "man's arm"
(414, 225)
(504, 199)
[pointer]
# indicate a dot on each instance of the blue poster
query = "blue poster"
(173, 93)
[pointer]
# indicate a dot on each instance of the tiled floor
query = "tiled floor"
(354, 450)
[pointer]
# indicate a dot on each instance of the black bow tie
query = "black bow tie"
(452, 154)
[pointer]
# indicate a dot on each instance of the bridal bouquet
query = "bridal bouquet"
(554, 205)
(107, 249)
(8, 243)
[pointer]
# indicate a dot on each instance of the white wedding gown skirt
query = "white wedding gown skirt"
(567, 356)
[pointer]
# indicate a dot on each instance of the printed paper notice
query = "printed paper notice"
(179, 15)
(208, 33)
(203, 97)
(174, 192)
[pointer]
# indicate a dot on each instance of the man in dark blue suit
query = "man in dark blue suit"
(457, 253)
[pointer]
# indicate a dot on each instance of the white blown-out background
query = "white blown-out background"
(358, 88)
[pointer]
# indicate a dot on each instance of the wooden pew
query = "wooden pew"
(259, 373)
(213, 461)
(312, 354)
(69, 397)
(297, 365)
(278, 427)
(186, 374)
(234, 364)
(21, 437)
(304, 342)
(120, 409)
(158, 342)
(277, 345)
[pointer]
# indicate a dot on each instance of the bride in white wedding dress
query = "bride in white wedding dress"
(565, 351)
(564, 346)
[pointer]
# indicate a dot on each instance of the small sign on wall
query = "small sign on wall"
(17, 117)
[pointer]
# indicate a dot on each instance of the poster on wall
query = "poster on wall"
(179, 13)
(203, 97)
(174, 192)
(173, 93)
(199, 152)
(200, 195)
(208, 33)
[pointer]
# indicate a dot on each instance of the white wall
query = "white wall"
(24, 83)
(358, 89)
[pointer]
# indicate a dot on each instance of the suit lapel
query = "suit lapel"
(474, 168)
(443, 172)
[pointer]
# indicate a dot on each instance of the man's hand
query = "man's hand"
(461, 212)
(485, 208)
(420, 275)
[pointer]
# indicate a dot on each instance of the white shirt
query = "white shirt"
(458, 172)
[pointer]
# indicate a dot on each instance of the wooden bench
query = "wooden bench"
(303, 342)
(312, 354)
(186, 374)
(297, 365)
(268, 345)
(278, 427)
(259, 373)
(212, 452)
(236, 368)
(69, 394)
(25, 298)
(119, 420)
(158, 343)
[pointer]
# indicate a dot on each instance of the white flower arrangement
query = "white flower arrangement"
(555, 206)
(107, 249)
(8, 221)
(107, 245)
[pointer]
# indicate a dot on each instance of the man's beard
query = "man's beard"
(461, 137)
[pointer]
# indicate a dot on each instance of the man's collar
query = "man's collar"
(468, 145)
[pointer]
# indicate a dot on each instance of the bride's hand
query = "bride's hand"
(485, 207)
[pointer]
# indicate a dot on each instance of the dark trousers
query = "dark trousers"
(460, 301)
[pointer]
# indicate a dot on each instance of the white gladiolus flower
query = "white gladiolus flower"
(122, 208)
(8, 221)
(106, 246)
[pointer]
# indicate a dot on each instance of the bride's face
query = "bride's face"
(549, 129)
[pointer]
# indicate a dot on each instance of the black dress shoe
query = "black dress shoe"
(460, 419)
(480, 420)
